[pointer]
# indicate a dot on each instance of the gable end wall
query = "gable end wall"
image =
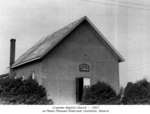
(61, 65)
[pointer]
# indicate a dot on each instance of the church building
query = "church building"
(74, 57)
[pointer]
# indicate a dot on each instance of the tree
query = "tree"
(100, 93)
(18, 91)
(137, 93)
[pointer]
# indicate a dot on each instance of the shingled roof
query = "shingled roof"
(41, 48)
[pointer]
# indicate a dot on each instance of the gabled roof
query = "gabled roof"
(41, 48)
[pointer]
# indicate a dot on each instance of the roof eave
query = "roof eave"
(121, 60)
(25, 62)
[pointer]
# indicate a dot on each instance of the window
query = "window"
(23, 78)
(84, 67)
(86, 82)
(33, 75)
(81, 84)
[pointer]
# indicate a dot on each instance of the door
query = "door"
(81, 83)
(79, 89)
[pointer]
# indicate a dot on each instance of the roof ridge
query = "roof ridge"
(43, 46)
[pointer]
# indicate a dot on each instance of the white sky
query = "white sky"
(125, 23)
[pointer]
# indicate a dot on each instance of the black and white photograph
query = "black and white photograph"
(75, 52)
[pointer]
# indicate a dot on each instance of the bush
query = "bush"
(18, 91)
(100, 93)
(137, 93)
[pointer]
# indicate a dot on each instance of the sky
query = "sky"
(125, 23)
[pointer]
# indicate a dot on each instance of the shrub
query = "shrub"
(137, 93)
(18, 91)
(100, 93)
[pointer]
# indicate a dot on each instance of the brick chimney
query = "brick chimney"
(12, 51)
(12, 54)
